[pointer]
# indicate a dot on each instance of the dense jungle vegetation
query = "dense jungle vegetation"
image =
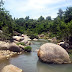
(60, 27)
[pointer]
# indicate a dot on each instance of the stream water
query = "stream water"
(29, 61)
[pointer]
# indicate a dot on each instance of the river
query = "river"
(29, 62)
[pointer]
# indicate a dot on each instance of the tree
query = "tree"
(68, 14)
(41, 18)
(60, 13)
(6, 23)
(48, 18)
(27, 18)
(1, 3)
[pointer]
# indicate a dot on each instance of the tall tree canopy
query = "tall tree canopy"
(6, 22)
(61, 26)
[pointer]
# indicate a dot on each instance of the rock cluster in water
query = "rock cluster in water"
(8, 49)
(23, 38)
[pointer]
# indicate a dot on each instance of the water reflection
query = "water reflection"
(36, 44)
(43, 67)
(27, 53)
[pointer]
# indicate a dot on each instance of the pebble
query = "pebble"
(6, 54)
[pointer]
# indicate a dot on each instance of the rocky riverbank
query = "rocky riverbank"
(9, 49)
(6, 54)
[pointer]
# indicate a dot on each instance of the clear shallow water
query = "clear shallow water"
(29, 61)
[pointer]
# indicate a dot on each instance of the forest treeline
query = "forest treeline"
(60, 27)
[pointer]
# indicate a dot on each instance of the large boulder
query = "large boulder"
(26, 38)
(4, 45)
(53, 40)
(11, 68)
(52, 53)
(25, 41)
(18, 38)
(29, 43)
(13, 47)
(42, 35)
(64, 45)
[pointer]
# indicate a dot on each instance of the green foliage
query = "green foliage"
(40, 18)
(33, 36)
(69, 28)
(27, 18)
(68, 14)
(60, 27)
(48, 18)
(6, 24)
(28, 49)
(21, 43)
(60, 14)
(51, 35)
(1, 3)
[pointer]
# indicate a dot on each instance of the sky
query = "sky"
(35, 8)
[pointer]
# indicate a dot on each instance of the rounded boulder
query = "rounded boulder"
(4, 45)
(52, 53)
(11, 68)
(13, 47)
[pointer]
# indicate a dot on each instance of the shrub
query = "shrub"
(33, 36)
(5, 36)
(28, 49)
(51, 35)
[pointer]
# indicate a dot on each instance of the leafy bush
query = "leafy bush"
(33, 36)
(51, 35)
(21, 43)
(28, 49)
(5, 36)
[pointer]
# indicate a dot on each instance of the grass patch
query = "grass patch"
(28, 49)
(21, 43)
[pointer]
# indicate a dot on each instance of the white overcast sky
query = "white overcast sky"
(35, 8)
